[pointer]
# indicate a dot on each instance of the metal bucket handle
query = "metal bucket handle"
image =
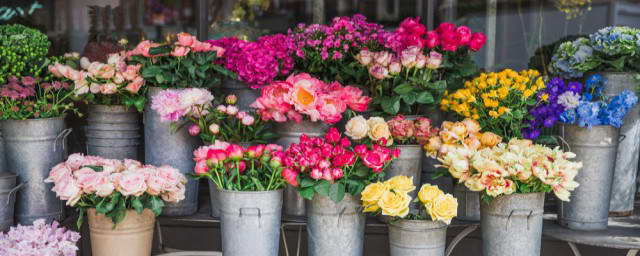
(621, 138)
(256, 209)
(340, 215)
(14, 190)
(62, 136)
(527, 213)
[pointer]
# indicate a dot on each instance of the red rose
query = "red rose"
(332, 136)
(290, 176)
(433, 39)
(477, 41)
(464, 33)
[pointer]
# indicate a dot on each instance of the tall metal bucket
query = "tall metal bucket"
(250, 222)
(163, 146)
(417, 238)
(335, 228)
(429, 168)
(512, 225)
(245, 94)
(113, 132)
(289, 133)
(214, 199)
(3, 160)
(32, 148)
(468, 203)
(8, 190)
(596, 148)
(626, 170)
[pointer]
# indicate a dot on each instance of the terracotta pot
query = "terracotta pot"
(131, 237)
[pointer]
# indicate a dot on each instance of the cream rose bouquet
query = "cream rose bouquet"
(398, 130)
(515, 167)
(465, 134)
(391, 198)
(113, 186)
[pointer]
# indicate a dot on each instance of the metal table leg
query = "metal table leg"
(574, 248)
(633, 252)
(465, 232)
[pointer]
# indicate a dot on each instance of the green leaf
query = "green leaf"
(361, 171)
(618, 64)
(425, 98)
(160, 50)
(403, 89)
(409, 98)
(307, 193)
(137, 204)
(439, 85)
(322, 187)
(156, 205)
(306, 182)
(336, 193)
(95, 167)
(257, 183)
(160, 78)
(151, 71)
(391, 105)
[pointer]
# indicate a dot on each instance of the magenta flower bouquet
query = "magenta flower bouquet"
(39, 239)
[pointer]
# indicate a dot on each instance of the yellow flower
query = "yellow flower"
(503, 110)
(492, 81)
(443, 208)
(402, 184)
(475, 116)
(544, 97)
(503, 92)
(373, 192)
(489, 139)
(428, 193)
(493, 114)
(395, 204)
(527, 93)
(370, 206)
(378, 129)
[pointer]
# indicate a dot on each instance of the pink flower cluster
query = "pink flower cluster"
(302, 94)
(83, 175)
(336, 40)
(447, 37)
(231, 156)
(184, 44)
(18, 89)
(258, 63)
(39, 239)
(329, 157)
(102, 78)
(409, 131)
(173, 104)
(385, 64)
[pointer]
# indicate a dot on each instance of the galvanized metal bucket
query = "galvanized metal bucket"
(596, 148)
(250, 222)
(409, 163)
(290, 133)
(335, 228)
(32, 148)
(626, 167)
(214, 199)
(417, 238)
(3, 160)
(163, 146)
(512, 225)
(245, 94)
(132, 236)
(468, 203)
(429, 168)
(8, 190)
(113, 132)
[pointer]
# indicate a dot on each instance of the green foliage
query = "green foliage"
(259, 175)
(23, 52)
(353, 182)
(115, 206)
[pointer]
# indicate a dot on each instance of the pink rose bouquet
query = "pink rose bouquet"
(39, 239)
(331, 166)
(113, 186)
(303, 95)
(405, 131)
(184, 63)
(111, 83)
(237, 168)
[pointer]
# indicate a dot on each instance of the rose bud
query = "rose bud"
(194, 130)
(231, 99)
(315, 174)
(235, 152)
(214, 128)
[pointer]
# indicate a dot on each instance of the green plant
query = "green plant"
(23, 52)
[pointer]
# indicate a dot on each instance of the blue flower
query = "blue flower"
(568, 116)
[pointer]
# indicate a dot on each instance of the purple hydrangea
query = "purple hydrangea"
(39, 239)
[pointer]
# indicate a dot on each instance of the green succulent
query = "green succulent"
(23, 51)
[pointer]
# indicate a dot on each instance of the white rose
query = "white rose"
(357, 128)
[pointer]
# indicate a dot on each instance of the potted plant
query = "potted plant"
(250, 185)
(591, 129)
(117, 197)
(331, 173)
(513, 178)
(33, 106)
(39, 239)
(419, 233)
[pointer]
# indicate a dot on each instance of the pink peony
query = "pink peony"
(194, 130)
(248, 120)
(201, 167)
(180, 51)
(186, 40)
(290, 176)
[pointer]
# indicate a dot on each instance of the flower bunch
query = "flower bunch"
(552, 102)
(23, 52)
(184, 63)
(465, 134)
(515, 167)
(173, 105)
(111, 83)
(302, 94)
(331, 166)
(391, 198)
(402, 81)
(228, 123)
(258, 63)
(39, 239)
(499, 101)
(572, 59)
(233, 167)
(29, 97)
(113, 186)
(591, 108)
(447, 37)
(327, 51)
(374, 129)
(399, 129)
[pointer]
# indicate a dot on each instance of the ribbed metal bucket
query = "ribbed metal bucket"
(132, 236)
(335, 228)
(163, 146)
(250, 222)
(417, 238)
(113, 132)
(32, 148)
(596, 148)
(626, 170)
(429, 168)
(214, 199)
(245, 94)
(409, 163)
(468, 203)
(512, 225)
(289, 133)
(3, 160)
(8, 190)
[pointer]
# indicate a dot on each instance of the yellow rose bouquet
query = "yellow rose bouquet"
(515, 167)
(499, 101)
(391, 198)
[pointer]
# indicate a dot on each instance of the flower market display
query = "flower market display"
(39, 239)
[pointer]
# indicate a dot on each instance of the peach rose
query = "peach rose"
(135, 85)
(489, 139)
(180, 51)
